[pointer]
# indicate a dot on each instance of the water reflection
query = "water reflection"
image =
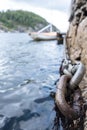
(28, 72)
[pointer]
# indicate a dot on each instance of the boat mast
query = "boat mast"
(51, 27)
(43, 29)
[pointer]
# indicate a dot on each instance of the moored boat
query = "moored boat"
(43, 36)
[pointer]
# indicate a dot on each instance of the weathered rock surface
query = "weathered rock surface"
(77, 40)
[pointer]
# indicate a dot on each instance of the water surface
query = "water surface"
(28, 72)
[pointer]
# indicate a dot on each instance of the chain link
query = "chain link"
(75, 70)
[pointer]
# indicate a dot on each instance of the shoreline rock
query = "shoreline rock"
(77, 40)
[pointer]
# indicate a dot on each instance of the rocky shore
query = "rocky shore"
(77, 40)
(18, 29)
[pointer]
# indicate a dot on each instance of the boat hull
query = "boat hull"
(44, 36)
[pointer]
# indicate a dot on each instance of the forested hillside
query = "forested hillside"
(21, 21)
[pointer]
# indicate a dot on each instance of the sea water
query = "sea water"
(28, 72)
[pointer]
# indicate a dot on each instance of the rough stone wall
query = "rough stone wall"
(77, 39)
